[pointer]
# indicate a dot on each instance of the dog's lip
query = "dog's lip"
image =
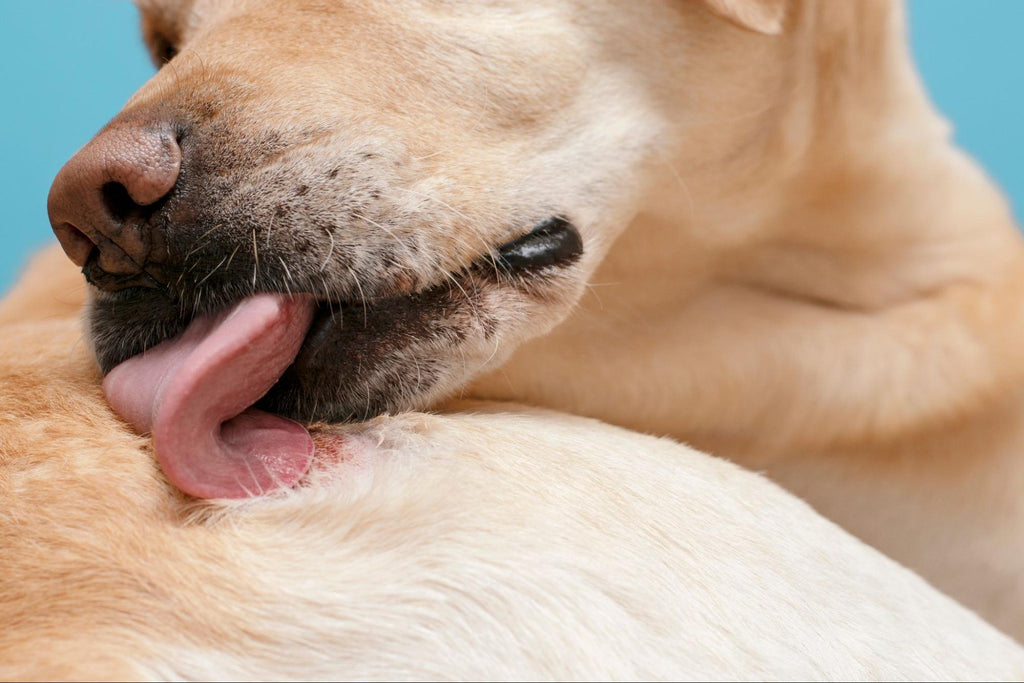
(549, 245)
(206, 383)
(326, 317)
(553, 242)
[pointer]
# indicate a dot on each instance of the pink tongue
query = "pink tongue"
(194, 394)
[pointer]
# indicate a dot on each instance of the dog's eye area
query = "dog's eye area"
(162, 48)
(166, 53)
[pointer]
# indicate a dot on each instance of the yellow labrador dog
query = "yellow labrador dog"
(735, 222)
(487, 544)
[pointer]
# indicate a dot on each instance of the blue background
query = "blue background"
(66, 66)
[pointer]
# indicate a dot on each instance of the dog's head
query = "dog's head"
(441, 177)
(434, 181)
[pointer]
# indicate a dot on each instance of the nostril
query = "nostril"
(75, 243)
(119, 202)
(102, 202)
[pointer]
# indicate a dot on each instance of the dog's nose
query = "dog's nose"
(100, 202)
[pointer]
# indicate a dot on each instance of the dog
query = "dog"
(491, 542)
(738, 223)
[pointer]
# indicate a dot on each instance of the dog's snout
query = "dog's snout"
(101, 200)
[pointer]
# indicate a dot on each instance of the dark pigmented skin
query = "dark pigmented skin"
(429, 267)
(373, 355)
(361, 360)
(408, 313)
(551, 243)
(374, 346)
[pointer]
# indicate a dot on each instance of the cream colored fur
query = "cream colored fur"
(498, 542)
(786, 261)
(804, 276)
(821, 287)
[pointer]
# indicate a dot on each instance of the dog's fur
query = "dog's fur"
(813, 281)
(806, 277)
(839, 302)
(488, 544)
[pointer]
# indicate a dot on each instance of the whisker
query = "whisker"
(231, 258)
(200, 244)
(288, 276)
(327, 298)
(435, 200)
(469, 299)
(391, 234)
(362, 296)
(256, 260)
(494, 352)
(679, 179)
(330, 253)
(210, 274)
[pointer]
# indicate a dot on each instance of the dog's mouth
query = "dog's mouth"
(225, 399)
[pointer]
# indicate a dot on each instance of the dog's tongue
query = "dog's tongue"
(195, 392)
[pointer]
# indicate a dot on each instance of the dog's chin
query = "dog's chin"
(368, 356)
(390, 355)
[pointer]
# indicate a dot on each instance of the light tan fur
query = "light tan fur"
(787, 262)
(825, 289)
(499, 542)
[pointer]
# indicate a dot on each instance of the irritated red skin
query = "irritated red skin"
(194, 394)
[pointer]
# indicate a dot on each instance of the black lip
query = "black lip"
(328, 315)
(347, 343)
(142, 317)
(554, 242)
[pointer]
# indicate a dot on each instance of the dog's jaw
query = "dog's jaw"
(382, 354)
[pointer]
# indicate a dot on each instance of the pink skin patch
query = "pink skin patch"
(347, 459)
(194, 394)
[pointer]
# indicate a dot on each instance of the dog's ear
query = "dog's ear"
(763, 16)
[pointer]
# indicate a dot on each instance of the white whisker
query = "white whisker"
(256, 260)
(362, 296)
(330, 253)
